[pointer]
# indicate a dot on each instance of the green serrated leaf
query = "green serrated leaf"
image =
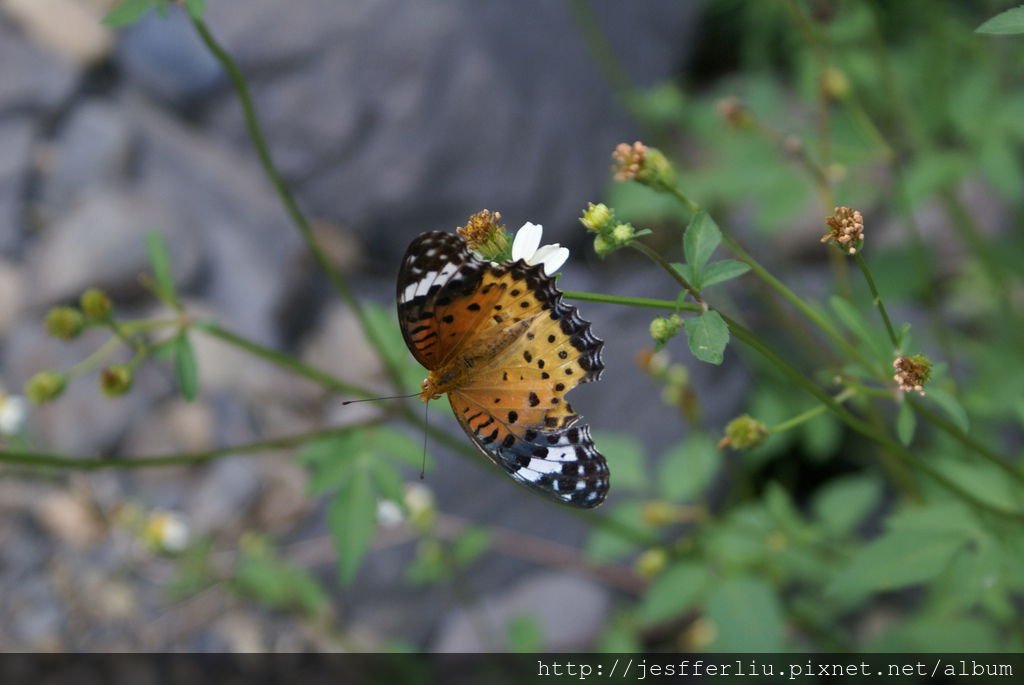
(700, 240)
(746, 615)
(906, 423)
(352, 519)
(844, 503)
(196, 8)
(673, 592)
(160, 262)
(1005, 23)
(185, 369)
(722, 270)
(685, 271)
(686, 470)
(607, 545)
(951, 406)
(127, 12)
(708, 336)
(897, 559)
(394, 444)
(630, 460)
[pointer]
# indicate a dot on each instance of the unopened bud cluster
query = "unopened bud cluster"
(611, 233)
(675, 379)
(845, 229)
(743, 433)
(643, 164)
(912, 372)
(45, 386)
(664, 328)
(485, 235)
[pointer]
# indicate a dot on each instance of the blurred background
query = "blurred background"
(388, 119)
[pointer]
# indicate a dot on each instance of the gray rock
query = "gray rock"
(569, 609)
(12, 287)
(411, 116)
(223, 497)
(102, 243)
(16, 135)
(164, 56)
(31, 78)
(92, 151)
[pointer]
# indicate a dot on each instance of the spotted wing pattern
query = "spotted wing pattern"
(527, 349)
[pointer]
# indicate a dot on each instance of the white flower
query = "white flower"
(13, 413)
(527, 247)
(389, 513)
(167, 531)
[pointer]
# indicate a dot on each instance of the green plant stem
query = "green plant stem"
(810, 413)
(645, 302)
(44, 459)
(655, 257)
(96, 358)
(775, 284)
(877, 299)
(286, 197)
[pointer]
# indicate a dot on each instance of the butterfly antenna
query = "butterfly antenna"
(378, 399)
(423, 464)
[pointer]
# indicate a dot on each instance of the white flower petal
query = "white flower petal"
(555, 259)
(13, 412)
(527, 241)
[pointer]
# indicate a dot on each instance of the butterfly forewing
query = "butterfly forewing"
(525, 349)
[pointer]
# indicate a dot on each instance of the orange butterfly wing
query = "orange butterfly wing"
(527, 349)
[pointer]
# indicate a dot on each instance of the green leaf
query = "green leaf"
(396, 445)
(701, 238)
(196, 8)
(897, 559)
(470, 545)
(331, 459)
(524, 634)
(685, 271)
(906, 423)
(845, 502)
(630, 460)
(722, 270)
(160, 261)
(708, 336)
(673, 592)
(1005, 23)
(686, 470)
(261, 575)
(608, 545)
(352, 518)
(951, 406)
(185, 369)
(127, 12)
(746, 616)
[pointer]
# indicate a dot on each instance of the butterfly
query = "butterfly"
(499, 340)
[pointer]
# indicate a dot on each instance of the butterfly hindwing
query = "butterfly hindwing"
(524, 349)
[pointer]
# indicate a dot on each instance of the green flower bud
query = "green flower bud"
(96, 305)
(651, 562)
(622, 234)
(743, 432)
(835, 84)
(658, 172)
(603, 246)
(659, 513)
(597, 217)
(65, 323)
(116, 380)
(664, 328)
(45, 386)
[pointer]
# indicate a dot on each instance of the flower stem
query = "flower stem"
(286, 197)
(655, 257)
(877, 299)
(646, 302)
(810, 413)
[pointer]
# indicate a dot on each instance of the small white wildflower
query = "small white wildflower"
(167, 531)
(527, 247)
(13, 413)
(418, 498)
(389, 513)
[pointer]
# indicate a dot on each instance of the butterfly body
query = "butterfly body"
(505, 348)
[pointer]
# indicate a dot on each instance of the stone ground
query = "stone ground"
(388, 118)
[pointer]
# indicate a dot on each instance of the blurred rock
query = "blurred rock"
(222, 500)
(16, 142)
(29, 77)
(285, 495)
(102, 243)
(477, 94)
(69, 518)
(569, 609)
(12, 294)
(69, 28)
(91, 152)
(340, 348)
(163, 56)
(175, 426)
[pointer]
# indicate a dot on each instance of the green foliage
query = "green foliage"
(160, 262)
(260, 574)
(699, 242)
(686, 471)
(1005, 23)
(129, 12)
(708, 336)
(674, 592)
(185, 369)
